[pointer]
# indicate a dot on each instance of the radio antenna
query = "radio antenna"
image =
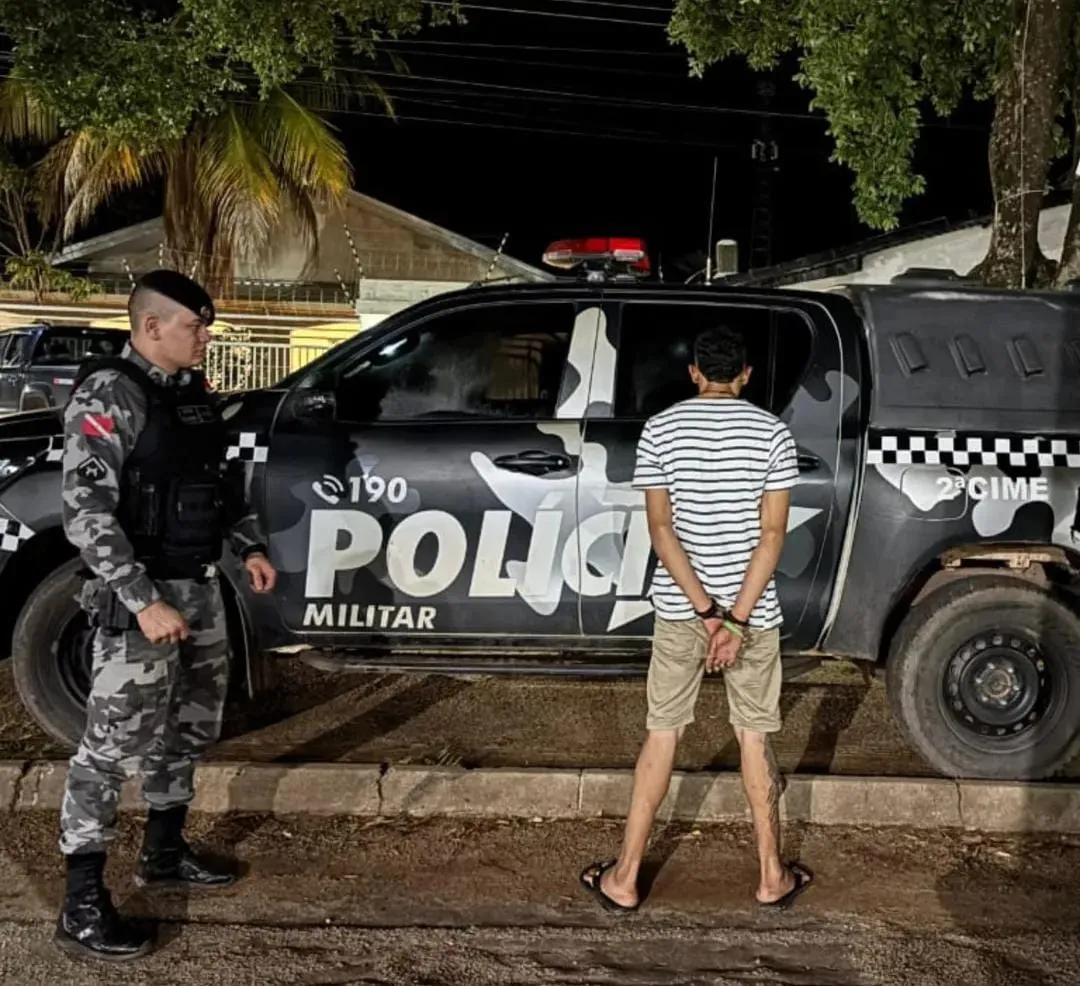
(712, 216)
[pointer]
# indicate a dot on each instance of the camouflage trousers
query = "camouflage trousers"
(153, 709)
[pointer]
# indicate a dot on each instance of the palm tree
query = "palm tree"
(229, 183)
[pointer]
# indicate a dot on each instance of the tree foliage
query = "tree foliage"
(35, 272)
(143, 72)
(874, 67)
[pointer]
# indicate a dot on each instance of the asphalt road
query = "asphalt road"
(442, 903)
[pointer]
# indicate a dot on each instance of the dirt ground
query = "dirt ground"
(452, 903)
(836, 720)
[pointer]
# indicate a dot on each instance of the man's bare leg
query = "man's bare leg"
(762, 782)
(652, 776)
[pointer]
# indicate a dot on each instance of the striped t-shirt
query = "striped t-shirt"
(715, 457)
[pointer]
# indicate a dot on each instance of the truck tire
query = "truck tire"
(50, 658)
(984, 674)
(50, 654)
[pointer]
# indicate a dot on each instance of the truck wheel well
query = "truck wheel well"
(1041, 564)
(24, 572)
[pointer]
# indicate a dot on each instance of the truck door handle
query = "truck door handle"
(807, 462)
(317, 404)
(535, 462)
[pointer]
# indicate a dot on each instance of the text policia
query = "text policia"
(347, 540)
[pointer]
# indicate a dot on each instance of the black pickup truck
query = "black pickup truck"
(38, 362)
(451, 492)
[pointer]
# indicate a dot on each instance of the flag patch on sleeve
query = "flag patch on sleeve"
(97, 425)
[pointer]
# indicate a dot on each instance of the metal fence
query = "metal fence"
(265, 292)
(232, 365)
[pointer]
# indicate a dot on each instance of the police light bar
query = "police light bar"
(599, 252)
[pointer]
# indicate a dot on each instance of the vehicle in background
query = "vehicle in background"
(38, 363)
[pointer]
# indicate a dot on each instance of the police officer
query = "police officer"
(146, 503)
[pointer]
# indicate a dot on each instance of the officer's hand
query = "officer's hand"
(161, 624)
(261, 573)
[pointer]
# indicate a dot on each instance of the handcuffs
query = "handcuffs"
(726, 618)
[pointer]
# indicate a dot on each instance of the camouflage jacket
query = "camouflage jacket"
(102, 423)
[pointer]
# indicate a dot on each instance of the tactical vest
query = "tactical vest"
(172, 496)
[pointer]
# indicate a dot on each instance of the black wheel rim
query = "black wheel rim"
(74, 660)
(999, 687)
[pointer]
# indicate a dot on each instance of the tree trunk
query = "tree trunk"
(1069, 265)
(1021, 142)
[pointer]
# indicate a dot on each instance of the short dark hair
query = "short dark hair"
(720, 354)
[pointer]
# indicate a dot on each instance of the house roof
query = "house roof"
(462, 243)
(148, 234)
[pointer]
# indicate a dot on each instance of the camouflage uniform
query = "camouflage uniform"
(152, 708)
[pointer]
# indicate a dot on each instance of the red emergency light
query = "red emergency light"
(598, 252)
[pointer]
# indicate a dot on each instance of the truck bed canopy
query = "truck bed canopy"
(965, 359)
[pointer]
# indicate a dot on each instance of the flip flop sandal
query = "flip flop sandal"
(803, 879)
(590, 880)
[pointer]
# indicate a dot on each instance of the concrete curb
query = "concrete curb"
(371, 790)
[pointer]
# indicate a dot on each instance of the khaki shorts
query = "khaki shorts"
(678, 665)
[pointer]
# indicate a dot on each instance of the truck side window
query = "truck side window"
(656, 347)
(56, 349)
(75, 346)
(17, 352)
(491, 361)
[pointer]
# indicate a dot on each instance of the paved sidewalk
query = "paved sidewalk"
(374, 790)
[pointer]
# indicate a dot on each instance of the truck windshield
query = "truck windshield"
(65, 347)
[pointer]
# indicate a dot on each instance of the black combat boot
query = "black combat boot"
(167, 859)
(89, 925)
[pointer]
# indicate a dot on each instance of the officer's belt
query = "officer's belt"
(164, 572)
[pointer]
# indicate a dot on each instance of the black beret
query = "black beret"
(181, 289)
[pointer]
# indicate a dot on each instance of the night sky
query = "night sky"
(612, 167)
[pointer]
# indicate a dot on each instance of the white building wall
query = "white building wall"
(960, 251)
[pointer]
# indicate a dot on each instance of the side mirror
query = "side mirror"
(316, 404)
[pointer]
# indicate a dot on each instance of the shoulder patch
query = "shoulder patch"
(93, 469)
(97, 425)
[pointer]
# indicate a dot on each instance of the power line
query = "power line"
(557, 95)
(637, 136)
(508, 114)
(424, 97)
(553, 95)
(548, 13)
(532, 63)
(610, 3)
(397, 91)
(577, 97)
(517, 47)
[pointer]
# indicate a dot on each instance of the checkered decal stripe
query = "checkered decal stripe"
(250, 447)
(13, 534)
(908, 448)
